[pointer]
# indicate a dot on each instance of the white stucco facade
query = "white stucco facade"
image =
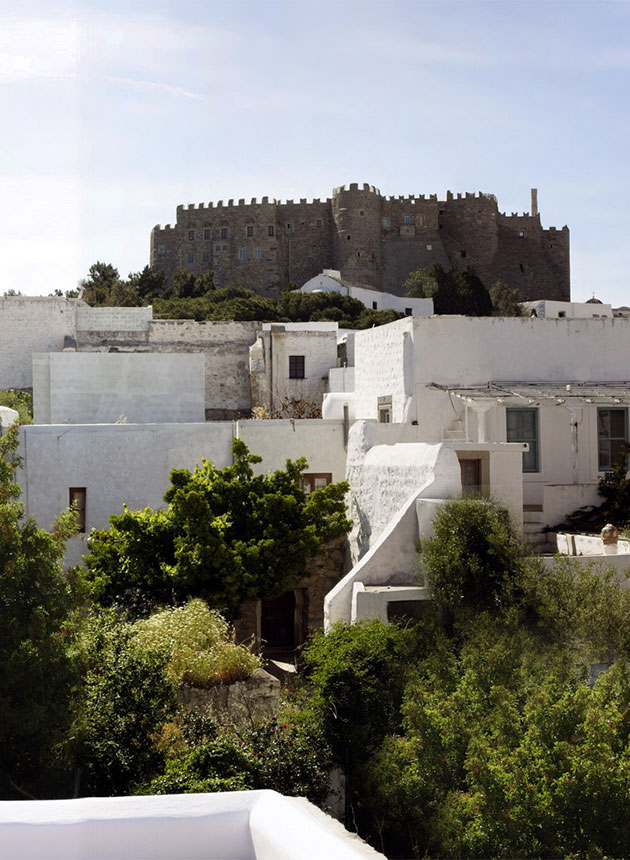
(130, 464)
(456, 378)
(96, 388)
(329, 281)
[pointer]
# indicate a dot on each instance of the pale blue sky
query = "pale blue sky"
(115, 112)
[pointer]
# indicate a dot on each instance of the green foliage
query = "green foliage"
(284, 754)
(454, 291)
(36, 673)
(227, 536)
(505, 301)
(475, 558)
(125, 699)
(201, 648)
(21, 401)
(96, 288)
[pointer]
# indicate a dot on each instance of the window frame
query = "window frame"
(610, 439)
(534, 443)
(297, 367)
(79, 495)
(309, 478)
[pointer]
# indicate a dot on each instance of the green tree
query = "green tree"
(505, 301)
(124, 700)
(475, 559)
(149, 283)
(21, 401)
(227, 535)
(96, 288)
(454, 291)
(36, 669)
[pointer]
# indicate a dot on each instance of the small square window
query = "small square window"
(191, 235)
(374, 306)
(408, 312)
(521, 234)
(250, 231)
(314, 481)
(429, 247)
(318, 223)
(257, 254)
(241, 253)
(271, 230)
(207, 234)
(217, 247)
(224, 247)
(77, 498)
(361, 212)
(160, 249)
(296, 367)
(224, 232)
(206, 256)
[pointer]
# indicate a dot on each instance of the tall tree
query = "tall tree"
(227, 535)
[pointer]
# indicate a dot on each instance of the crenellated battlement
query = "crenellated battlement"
(372, 239)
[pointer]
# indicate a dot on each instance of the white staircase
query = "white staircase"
(541, 542)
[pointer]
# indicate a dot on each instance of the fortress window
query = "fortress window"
(206, 256)
(348, 238)
(407, 220)
(429, 247)
(207, 234)
(224, 247)
(224, 232)
(191, 235)
(521, 267)
(288, 226)
(190, 257)
(521, 234)
(217, 247)
(408, 312)
(241, 253)
(271, 231)
(374, 306)
(361, 212)
(296, 367)
(257, 254)
(420, 220)
(160, 249)
(463, 253)
(386, 222)
(318, 223)
(250, 231)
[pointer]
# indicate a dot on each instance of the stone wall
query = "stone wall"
(371, 239)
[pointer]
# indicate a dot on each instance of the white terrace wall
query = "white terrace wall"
(97, 388)
(29, 325)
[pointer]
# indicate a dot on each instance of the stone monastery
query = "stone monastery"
(372, 240)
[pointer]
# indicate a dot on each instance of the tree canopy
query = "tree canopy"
(461, 291)
(227, 535)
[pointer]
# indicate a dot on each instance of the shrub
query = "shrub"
(200, 644)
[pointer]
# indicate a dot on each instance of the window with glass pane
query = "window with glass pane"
(612, 436)
(522, 426)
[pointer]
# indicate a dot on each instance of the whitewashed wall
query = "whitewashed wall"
(98, 388)
(29, 325)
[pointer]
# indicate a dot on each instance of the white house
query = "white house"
(329, 281)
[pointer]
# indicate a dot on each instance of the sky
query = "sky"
(116, 112)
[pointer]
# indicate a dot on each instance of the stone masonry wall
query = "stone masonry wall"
(372, 240)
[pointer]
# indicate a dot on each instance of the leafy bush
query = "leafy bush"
(199, 643)
(21, 401)
(474, 558)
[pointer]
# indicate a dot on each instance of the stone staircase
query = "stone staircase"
(541, 542)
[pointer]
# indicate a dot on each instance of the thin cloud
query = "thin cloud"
(145, 86)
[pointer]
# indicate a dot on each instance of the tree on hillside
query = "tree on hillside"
(505, 301)
(36, 670)
(454, 291)
(227, 535)
(96, 288)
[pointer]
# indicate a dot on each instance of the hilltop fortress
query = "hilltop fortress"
(374, 241)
